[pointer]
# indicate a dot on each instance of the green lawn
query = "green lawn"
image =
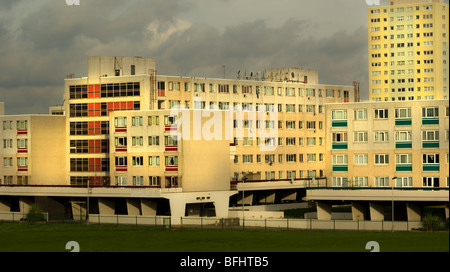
(104, 238)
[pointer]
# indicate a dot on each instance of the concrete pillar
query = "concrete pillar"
(414, 211)
(248, 198)
(266, 197)
(78, 209)
(106, 206)
(288, 195)
(221, 204)
(323, 210)
(25, 204)
(177, 210)
(446, 210)
(376, 211)
(5, 204)
(148, 207)
(359, 211)
(133, 206)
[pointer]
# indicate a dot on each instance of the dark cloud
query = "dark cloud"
(43, 44)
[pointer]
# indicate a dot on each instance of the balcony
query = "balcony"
(120, 129)
(162, 93)
(430, 144)
(430, 121)
(403, 167)
(403, 122)
(339, 145)
(121, 168)
(170, 148)
(430, 167)
(403, 144)
(22, 131)
(171, 168)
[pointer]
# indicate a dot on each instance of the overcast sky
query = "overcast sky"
(42, 41)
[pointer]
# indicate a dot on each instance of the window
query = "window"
(153, 120)
(430, 158)
(290, 107)
(22, 143)
(340, 159)
(170, 140)
(403, 113)
(7, 143)
(360, 159)
(430, 181)
(137, 161)
(403, 136)
(403, 158)
(340, 182)
(121, 180)
(311, 124)
(381, 136)
(137, 141)
(121, 161)
(339, 136)
(339, 114)
(360, 136)
(360, 114)
(381, 181)
(361, 182)
(247, 158)
(22, 161)
(7, 161)
(311, 157)
(153, 140)
(403, 182)
(290, 141)
(154, 181)
(120, 122)
(120, 141)
(169, 120)
(171, 160)
(290, 124)
(381, 113)
(430, 112)
(22, 124)
(381, 159)
(291, 157)
(7, 125)
(430, 135)
(290, 174)
(153, 160)
(311, 141)
(136, 121)
(138, 180)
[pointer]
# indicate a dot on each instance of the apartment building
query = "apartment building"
(385, 144)
(32, 150)
(294, 94)
(408, 50)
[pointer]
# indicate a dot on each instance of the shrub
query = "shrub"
(431, 222)
(35, 214)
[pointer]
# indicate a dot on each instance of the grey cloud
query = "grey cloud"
(55, 40)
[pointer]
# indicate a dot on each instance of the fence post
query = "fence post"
(334, 225)
(265, 223)
(117, 219)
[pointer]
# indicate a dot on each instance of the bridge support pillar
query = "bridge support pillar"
(323, 210)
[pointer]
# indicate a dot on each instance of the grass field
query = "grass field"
(104, 238)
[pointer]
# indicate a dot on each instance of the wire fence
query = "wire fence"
(298, 224)
(230, 223)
